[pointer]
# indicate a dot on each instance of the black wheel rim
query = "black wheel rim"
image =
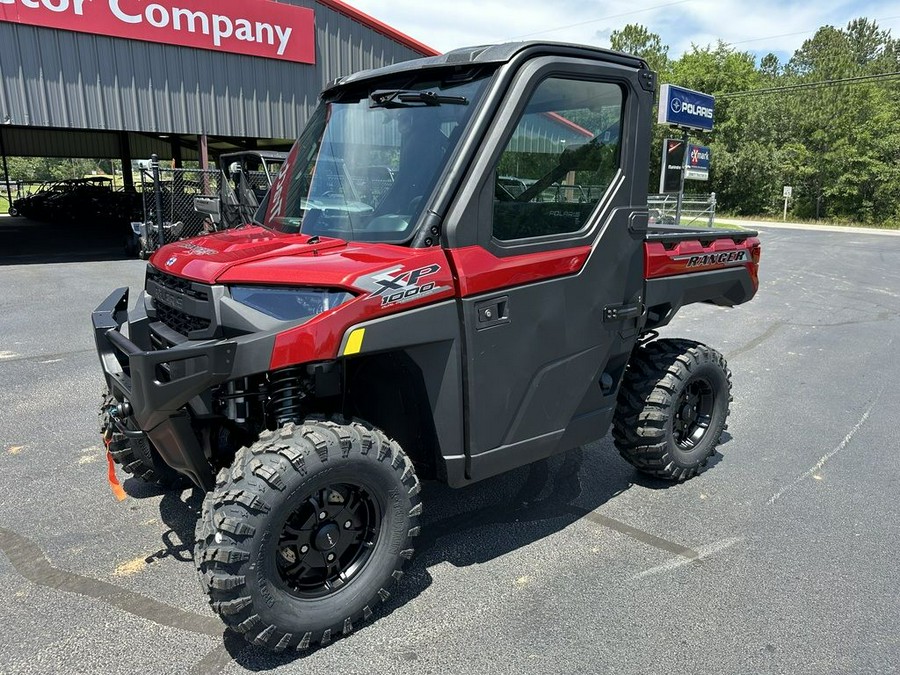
(693, 413)
(328, 540)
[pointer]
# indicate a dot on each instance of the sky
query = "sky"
(758, 26)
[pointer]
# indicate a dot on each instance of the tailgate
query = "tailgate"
(714, 266)
(671, 252)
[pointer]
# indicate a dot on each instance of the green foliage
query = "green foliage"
(837, 144)
(636, 39)
(44, 168)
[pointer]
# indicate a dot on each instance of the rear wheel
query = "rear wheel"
(136, 455)
(672, 408)
(306, 533)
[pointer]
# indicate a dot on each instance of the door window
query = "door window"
(560, 160)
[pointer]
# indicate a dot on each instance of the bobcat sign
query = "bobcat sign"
(271, 30)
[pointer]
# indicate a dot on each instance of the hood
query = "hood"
(257, 256)
(205, 259)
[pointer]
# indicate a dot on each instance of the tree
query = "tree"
(637, 40)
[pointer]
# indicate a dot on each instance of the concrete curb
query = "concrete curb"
(753, 224)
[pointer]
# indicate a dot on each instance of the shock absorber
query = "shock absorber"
(287, 389)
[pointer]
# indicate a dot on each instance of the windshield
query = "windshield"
(367, 162)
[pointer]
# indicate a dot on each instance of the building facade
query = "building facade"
(122, 79)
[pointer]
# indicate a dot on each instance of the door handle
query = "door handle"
(492, 312)
(622, 312)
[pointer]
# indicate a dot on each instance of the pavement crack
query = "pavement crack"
(212, 663)
(672, 547)
(30, 562)
(757, 341)
(703, 553)
(824, 459)
(46, 357)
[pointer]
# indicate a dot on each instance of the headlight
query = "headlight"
(289, 304)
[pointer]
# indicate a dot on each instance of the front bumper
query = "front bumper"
(158, 385)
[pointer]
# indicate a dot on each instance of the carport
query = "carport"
(98, 81)
(122, 146)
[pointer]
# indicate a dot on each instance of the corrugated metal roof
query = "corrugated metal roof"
(53, 78)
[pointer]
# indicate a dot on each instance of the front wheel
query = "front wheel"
(137, 456)
(672, 408)
(306, 532)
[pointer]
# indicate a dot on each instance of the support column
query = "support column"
(5, 169)
(176, 153)
(679, 205)
(204, 162)
(125, 156)
(203, 142)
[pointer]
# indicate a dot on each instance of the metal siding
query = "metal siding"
(51, 78)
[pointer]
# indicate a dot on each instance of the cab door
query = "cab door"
(546, 246)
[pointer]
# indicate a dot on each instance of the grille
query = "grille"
(179, 321)
(177, 284)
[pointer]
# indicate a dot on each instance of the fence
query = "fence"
(168, 196)
(696, 210)
(10, 188)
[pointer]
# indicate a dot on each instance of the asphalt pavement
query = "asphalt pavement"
(780, 558)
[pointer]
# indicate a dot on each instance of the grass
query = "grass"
(810, 221)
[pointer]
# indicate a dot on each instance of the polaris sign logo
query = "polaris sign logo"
(685, 108)
(691, 109)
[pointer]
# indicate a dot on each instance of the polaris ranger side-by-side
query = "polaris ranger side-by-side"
(494, 306)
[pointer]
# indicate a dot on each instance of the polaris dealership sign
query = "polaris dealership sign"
(271, 30)
(685, 108)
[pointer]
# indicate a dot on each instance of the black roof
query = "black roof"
(497, 54)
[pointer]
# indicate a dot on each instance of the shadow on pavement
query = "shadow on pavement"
(29, 242)
(463, 527)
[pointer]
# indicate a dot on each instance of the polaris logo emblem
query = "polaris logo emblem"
(171, 261)
(728, 258)
(679, 106)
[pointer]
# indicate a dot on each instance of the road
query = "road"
(781, 558)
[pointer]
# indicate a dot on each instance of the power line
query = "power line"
(802, 32)
(602, 18)
(809, 85)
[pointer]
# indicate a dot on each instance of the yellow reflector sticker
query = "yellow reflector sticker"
(354, 342)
